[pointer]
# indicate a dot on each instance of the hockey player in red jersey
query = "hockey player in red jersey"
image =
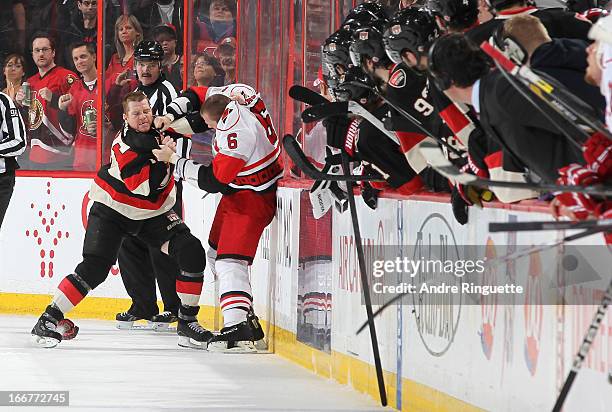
(50, 147)
(245, 169)
(133, 195)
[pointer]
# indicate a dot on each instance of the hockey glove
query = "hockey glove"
(598, 154)
(337, 128)
(320, 198)
(460, 207)
(578, 206)
(369, 195)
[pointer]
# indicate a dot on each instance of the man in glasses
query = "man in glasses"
(50, 148)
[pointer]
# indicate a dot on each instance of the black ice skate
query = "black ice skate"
(44, 333)
(125, 321)
(239, 338)
(192, 335)
(161, 322)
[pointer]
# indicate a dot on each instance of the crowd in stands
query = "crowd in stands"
(43, 43)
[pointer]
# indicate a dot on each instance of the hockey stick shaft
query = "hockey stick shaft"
(364, 284)
(584, 348)
(538, 226)
(296, 154)
(408, 117)
(305, 95)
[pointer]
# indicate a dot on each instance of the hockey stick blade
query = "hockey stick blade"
(553, 225)
(299, 158)
(305, 95)
(321, 111)
(436, 159)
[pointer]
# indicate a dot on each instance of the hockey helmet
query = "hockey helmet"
(410, 29)
(348, 91)
(368, 42)
(149, 50)
(335, 52)
(456, 13)
(362, 14)
(502, 4)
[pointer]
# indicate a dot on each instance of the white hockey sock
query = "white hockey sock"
(235, 290)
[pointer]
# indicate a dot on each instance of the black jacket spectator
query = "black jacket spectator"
(566, 61)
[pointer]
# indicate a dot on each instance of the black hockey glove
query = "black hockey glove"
(370, 195)
(460, 207)
(337, 128)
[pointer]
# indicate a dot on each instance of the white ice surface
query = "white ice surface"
(107, 369)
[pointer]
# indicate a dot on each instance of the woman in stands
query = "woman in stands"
(128, 33)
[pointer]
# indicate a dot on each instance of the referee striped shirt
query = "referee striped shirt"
(12, 134)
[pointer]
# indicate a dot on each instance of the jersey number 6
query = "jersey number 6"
(232, 142)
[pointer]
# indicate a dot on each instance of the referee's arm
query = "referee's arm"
(13, 139)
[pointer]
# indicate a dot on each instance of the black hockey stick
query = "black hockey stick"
(395, 106)
(438, 161)
(299, 158)
(584, 348)
(561, 100)
(305, 95)
(322, 111)
(364, 281)
(512, 256)
(551, 225)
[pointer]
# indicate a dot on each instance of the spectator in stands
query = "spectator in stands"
(78, 108)
(128, 33)
(562, 59)
(207, 71)
(161, 12)
(83, 27)
(12, 27)
(50, 148)
(227, 57)
(172, 65)
(14, 74)
(529, 140)
(219, 24)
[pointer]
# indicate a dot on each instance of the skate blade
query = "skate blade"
(187, 342)
(240, 347)
(44, 341)
(162, 327)
(122, 325)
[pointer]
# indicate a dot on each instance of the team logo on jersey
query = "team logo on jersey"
(398, 79)
(70, 79)
(35, 113)
(226, 114)
(396, 29)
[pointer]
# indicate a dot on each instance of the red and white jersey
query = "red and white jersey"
(49, 143)
(605, 51)
(246, 147)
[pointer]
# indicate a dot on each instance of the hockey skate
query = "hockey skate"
(238, 338)
(44, 333)
(125, 321)
(192, 335)
(161, 322)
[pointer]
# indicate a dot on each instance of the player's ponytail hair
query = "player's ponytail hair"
(214, 106)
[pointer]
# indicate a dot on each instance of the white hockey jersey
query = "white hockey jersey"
(246, 148)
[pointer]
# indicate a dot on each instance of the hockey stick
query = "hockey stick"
(539, 226)
(436, 159)
(299, 158)
(364, 281)
(322, 111)
(511, 256)
(584, 348)
(305, 95)
(408, 116)
(561, 100)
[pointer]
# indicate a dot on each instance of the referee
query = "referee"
(140, 265)
(12, 144)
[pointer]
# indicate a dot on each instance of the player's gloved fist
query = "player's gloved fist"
(598, 154)
(337, 128)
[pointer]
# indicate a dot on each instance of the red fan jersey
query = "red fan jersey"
(49, 143)
(85, 145)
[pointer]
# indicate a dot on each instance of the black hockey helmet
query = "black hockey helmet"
(347, 91)
(503, 4)
(362, 15)
(368, 42)
(410, 29)
(375, 8)
(149, 50)
(335, 52)
(459, 14)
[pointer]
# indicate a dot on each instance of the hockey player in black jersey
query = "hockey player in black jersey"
(558, 22)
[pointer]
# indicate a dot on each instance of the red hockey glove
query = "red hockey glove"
(598, 154)
(577, 205)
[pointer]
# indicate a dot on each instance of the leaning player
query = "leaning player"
(245, 169)
(133, 195)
